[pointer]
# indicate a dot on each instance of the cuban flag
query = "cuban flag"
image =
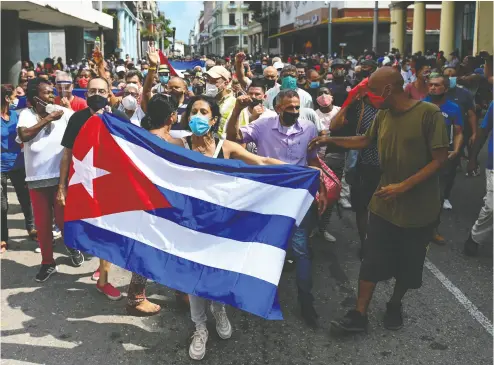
(214, 228)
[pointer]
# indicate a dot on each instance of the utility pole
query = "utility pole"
(268, 9)
(330, 25)
(173, 42)
(374, 28)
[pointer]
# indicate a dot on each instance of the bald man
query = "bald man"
(412, 143)
(177, 88)
(271, 76)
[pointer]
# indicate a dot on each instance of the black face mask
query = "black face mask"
(289, 119)
(270, 83)
(97, 102)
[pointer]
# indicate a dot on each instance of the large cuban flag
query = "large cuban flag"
(209, 227)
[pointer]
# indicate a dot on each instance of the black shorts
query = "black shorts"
(365, 185)
(392, 251)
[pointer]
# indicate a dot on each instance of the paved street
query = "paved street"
(66, 321)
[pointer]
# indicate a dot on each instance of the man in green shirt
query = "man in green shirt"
(413, 144)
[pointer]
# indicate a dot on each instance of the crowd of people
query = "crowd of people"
(394, 129)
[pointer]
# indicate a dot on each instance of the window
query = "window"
(246, 40)
(232, 2)
(246, 19)
(232, 19)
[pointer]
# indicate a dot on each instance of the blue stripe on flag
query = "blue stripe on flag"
(245, 226)
(289, 176)
(238, 290)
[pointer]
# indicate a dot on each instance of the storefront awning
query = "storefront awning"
(61, 13)
(345, 20)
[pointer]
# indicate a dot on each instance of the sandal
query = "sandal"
(143, 309)
(4, 246)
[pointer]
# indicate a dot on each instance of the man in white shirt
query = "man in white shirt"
(289, 81)
(41, 129)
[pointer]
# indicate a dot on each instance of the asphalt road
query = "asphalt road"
(66, 321)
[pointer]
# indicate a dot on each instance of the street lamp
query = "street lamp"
(173, 42)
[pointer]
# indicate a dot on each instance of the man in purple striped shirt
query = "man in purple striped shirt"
(286, 137)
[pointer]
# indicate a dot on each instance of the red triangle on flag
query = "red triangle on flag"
(104, 180)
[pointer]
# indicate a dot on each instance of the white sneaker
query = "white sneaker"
(223, 326)
(37, 249)
(345, 203)
(56, 235)
(447, 205)
(197, 348)
(329, 237)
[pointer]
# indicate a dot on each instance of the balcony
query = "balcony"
(217, 8)
(226, 29)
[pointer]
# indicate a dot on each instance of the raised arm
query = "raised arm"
(239, 69)
(101, 68)
(233, 132)
(153, 58)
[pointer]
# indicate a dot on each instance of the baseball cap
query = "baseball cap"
(278, 65)
(369, 63)
(120, 69)
(219, 71)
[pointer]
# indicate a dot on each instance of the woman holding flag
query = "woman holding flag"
(201, 118)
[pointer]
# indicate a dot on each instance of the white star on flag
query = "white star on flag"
(85, 172)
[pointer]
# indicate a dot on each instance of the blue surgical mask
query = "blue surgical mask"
(164, 79)
(199, 125)
(145, 73)
(314, 84)
(13, 105)
(452, 82)
(289, 82)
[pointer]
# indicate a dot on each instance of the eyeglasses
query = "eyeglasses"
(164, 74)
(102, 92)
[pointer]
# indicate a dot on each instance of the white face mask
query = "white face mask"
(50, 108)
(129, 102)
(211, 90)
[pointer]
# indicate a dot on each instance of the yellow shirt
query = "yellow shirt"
(226, 105)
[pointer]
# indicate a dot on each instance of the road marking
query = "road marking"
(469, 306)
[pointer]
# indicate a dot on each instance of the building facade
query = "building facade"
(133, 21)
(20, 18)
(227, 27)
(463, 26)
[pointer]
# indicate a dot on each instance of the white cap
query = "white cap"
(278, 65)
(120, 69)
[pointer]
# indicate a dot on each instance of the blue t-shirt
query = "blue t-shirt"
(487, 126)
(12, 157)
(452, 116)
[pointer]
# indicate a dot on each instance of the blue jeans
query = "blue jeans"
(300, 248)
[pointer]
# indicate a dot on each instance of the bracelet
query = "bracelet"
(152, 68)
